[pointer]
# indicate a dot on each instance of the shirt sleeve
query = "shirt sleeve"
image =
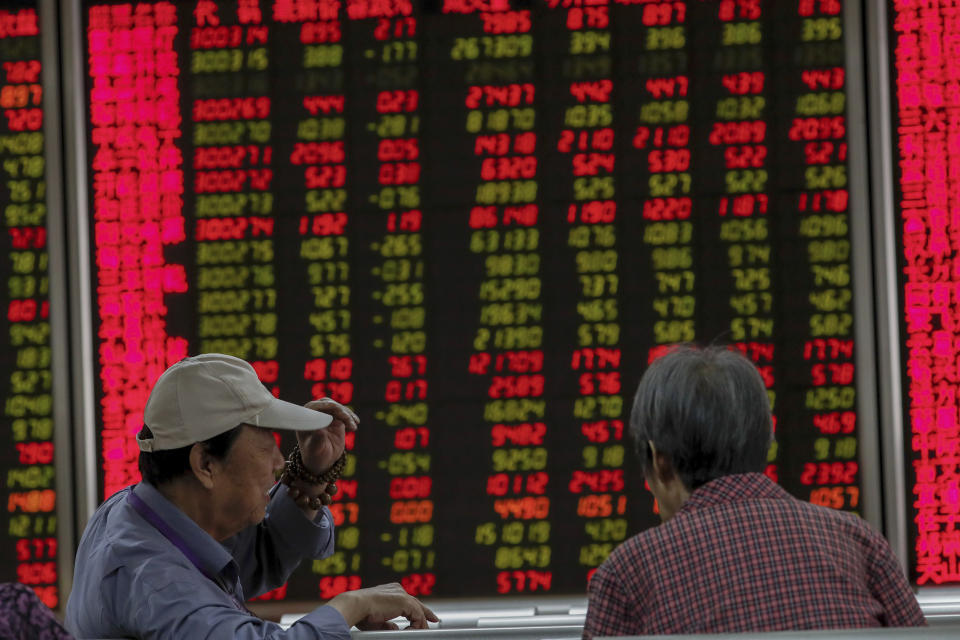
(608, 608)
(198, 609)
(268, 553)
(890, 587)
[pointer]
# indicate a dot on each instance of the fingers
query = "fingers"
(339, 412)
(390, 600)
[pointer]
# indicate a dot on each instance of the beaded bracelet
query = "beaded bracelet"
(294, 469)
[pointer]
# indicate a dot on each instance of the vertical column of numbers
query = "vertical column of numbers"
(232, 199)
(818, 129)
(137, 204)
(30, 492)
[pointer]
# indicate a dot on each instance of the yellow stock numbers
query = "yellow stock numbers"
(330, 321)
(606, 529)
(232, 251)
(843, 448)
(592, 555)
(668, 233)
(747, 230)
(820, 226)
(519, 557)
(594, 261)
(830, 398)
(219, 205)
(828, 250)
(519, 459)
(824, 103)
(507, 192)
(826, 177)
(677, 282)
(510, 313)
(516, 532)
(609, 456)
(667, 331)
(232, 301)
(584, 236)
(330, 344)
(671, 258)
(499, 120)
(669, 184)
(221, 133)
(817, 29)
(488, 241)
(675, 306)
(588, 115)
(665, 38)
(597, 311)
(737, 33)
(502, 46)
(604, 334)
(741, 108)
(312, 129)
(229, 60)
(751, 328)
(257, 348)
(748, 254)
(664, 111)
(509, 338)
(322, 55)
(514, 410)
(399, 51)
(512, 264)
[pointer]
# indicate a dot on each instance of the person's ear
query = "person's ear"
(660, 466)
(203, 465)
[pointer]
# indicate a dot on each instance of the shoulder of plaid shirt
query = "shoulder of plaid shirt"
(131, 581)
(744, 555)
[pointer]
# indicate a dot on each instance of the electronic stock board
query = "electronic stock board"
(29, 551)
(475, 222)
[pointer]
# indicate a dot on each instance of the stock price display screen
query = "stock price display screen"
(926, 131)
(29, 550)
(476, 222)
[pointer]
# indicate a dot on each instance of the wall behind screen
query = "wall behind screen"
(475, 224)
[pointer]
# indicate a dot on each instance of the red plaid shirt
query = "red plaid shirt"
(744, 555)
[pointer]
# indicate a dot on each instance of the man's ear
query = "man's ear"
(661, 467)
(202, 464)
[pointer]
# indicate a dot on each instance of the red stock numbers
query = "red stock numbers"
(524, 581)
(521, 435)
(829, 473)
(419, 584)
(500, 484)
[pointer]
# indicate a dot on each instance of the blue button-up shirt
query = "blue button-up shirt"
(130, 581)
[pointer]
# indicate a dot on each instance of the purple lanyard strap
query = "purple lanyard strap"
(167, 532)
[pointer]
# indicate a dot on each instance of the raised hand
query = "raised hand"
(321, 448)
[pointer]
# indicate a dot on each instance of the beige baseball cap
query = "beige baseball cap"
(203, 396)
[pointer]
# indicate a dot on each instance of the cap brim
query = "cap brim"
(281, 414)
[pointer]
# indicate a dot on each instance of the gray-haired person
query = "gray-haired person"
(176, 555)
(735, 552)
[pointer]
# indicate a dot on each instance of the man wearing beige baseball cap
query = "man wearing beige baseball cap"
(176, 555)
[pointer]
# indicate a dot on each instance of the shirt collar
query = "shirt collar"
(211, 554)
(733, 488)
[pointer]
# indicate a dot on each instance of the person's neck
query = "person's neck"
(192, 499)
(675, 495)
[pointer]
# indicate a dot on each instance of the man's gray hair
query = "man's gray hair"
(707, 410)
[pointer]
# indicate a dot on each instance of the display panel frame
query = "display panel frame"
(888, 310)
(57, 247)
